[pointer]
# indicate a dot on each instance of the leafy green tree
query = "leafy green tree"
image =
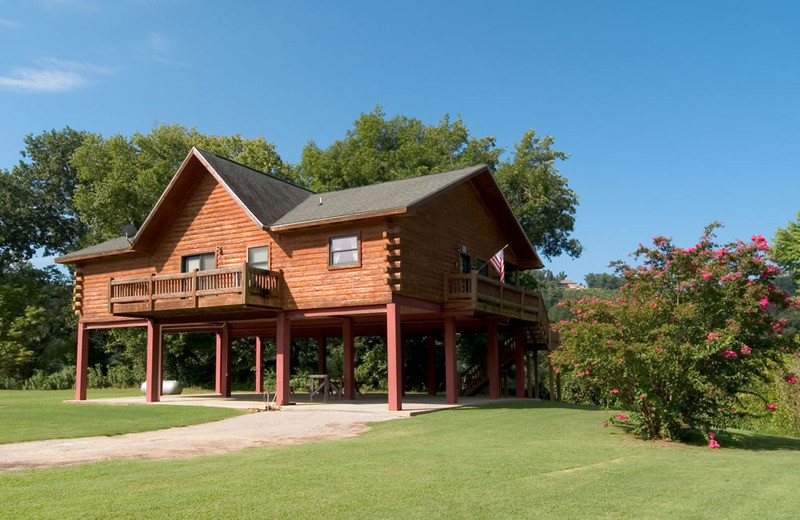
(378, 149)
(603, 281)
(539, 195)
(787, 247)
(122, 177)
(690, 332)
(37, 209)
(34, 315)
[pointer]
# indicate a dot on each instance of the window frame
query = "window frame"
(199, 254)
(357, 249)
(269, 257)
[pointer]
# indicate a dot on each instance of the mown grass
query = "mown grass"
(527, 460)
(29, 415)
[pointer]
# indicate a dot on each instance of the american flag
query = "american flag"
(498, 261)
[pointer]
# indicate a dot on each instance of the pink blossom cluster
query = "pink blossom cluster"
(712, 443)
(728, 353)
(790, 378)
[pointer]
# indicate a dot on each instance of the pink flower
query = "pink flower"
(730, 354)
(707, 276)
(713, 444)
(605, 425)
(614, 391)
(764, 303)
(622, 417)
(713, 336)
(641, 396)
(745, 350)
(772, 406)
(791, 379)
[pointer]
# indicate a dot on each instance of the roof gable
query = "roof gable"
(265, 198)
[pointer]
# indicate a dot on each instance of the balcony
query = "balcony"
(485, 295)
(233, 288)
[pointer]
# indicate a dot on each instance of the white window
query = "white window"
(258, 257)
(202, 262)
(343, 251)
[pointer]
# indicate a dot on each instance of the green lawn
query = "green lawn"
(538, 460)
(29, 415)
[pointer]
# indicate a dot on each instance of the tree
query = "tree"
(603, 281)
(787, 247)
(37, 209)
(539, 195)
(121, 178)
(378, 149)
(34, 313)
(690, 332)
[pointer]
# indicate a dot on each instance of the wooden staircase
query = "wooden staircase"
(535, 336)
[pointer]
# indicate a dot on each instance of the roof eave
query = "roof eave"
(336, 220)
(67, 259)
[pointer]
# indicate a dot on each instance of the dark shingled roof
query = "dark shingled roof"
(109, 246)
(267, 198)
(373, 198)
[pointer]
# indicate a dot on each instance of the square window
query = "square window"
(258, 257)
(343, 251)
(203, 262)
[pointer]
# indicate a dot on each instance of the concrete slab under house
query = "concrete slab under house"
(238, 253)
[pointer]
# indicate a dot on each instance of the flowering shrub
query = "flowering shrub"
(691, 330)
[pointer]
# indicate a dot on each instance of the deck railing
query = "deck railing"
(478, 291)
(241, 280)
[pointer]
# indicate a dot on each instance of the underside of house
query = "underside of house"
(237, 253)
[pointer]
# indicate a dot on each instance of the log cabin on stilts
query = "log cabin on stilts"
(239, 253)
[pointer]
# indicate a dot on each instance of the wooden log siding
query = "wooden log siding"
(433, 235)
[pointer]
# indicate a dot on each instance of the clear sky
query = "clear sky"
(675, 113)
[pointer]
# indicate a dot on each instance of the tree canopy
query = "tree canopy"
(787, 247)
(378, 149)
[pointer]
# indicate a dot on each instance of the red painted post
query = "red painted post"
(451, 369)
(82, 364)
(493, 362)
(519, 366)
(431, 343)
(223, 383)
(283, 340)
(348, 346)
(259, 365)
(394, 356)
(153, 378)
(227, 340)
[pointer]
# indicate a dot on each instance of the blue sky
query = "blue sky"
(675, 113)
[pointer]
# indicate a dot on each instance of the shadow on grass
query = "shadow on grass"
(523, 404)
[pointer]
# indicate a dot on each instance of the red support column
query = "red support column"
(259, 365)
(394, 356)
(322, 355)
(451, 370)
(154, 347)
(223, 379)
(283, 340)
(348, 346)
(431, 343)
(493, 362)
(519, 366)
(82, 364)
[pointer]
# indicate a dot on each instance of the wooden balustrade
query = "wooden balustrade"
(465, 291)
(234, 285)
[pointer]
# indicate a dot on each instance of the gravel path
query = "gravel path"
(244, 431)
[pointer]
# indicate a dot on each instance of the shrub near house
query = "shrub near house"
(691, 330)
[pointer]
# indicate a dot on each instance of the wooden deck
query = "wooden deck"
(485, 295)
(241, 286)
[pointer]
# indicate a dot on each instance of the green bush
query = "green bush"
(64, 379)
